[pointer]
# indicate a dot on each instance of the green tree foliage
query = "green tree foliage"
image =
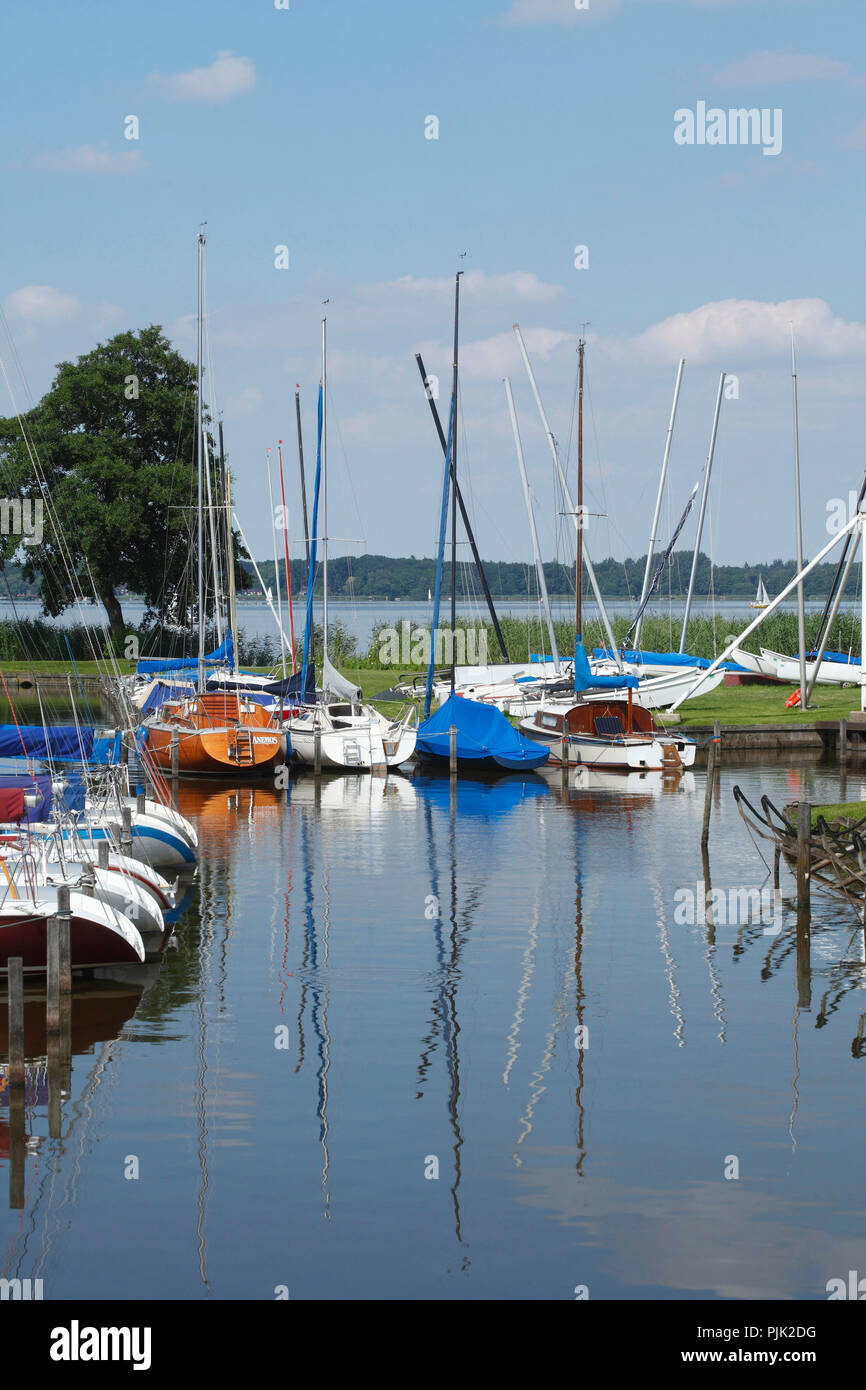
(115, 439)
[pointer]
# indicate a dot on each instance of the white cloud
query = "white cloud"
(738, 329)
(782, 67)
(246, 402)
(37, 304)
(226, 77)
(86, 159)
(514, 286)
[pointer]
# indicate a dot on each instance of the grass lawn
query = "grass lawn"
(765, 704)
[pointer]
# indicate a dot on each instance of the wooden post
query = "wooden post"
(804, 856)
(64, 916)
(317, 752)
(16, 1083)
(16, 1021)
(708, 793)
(452, 750)
(563, 758)
(776, 860)
(103, 851)
(843, 740)
(141, 803)
(126, 833)
(52, 989)
(175, 753)
(717, 739)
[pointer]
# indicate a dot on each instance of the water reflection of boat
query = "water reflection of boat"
(649, 784)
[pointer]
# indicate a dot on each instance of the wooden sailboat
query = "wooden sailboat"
(762, 598)
(222, 731)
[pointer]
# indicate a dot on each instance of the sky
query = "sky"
(308, 127)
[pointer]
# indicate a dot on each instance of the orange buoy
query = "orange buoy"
(793, 700)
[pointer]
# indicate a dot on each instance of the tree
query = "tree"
(115, 440)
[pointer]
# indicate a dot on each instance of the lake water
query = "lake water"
(375, 985)
(361, 619)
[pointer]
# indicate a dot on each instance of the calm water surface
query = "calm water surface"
(373, 982)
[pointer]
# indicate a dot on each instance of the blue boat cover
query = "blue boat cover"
(223, 655)
(585, 680)
(664, 659)
(32, 740)
(164, 690)
(107, 750)
(484, 736)
(835, 656)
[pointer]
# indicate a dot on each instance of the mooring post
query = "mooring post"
(777, 855)
(708, 791)
(317, 752)
(64, 916)
(804, 855)
(16, 1021)
(843, 740)
(141, 803)
(717, 740)
(452, 749)
(175, 754)
(126, 831)
(17, 1150)
(103, 852)
(52, 987)
(563, 760)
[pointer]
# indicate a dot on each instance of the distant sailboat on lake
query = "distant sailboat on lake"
(762, 598)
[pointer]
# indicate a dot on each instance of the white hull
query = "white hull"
(787, 668)
(350, 742)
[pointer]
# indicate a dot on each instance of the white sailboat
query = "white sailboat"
(339, 731)
(762, 598)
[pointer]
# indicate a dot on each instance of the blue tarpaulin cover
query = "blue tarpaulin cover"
(59, 743)
(223, 655)
(664, 659)
(484, 736)
(163, 691)
(585, 680)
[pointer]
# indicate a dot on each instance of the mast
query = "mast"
(702, 513)
(539, 568)
(231, 575)
(276, 568)
(288, 567)
(554, 449)
(578, 566)
(801, 604)
(324, 503)
(199, 433)
(454, 478)
(463, 513)
(655, 523)
(301, 463)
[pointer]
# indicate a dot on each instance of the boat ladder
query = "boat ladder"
(353, 753)
(243, 747)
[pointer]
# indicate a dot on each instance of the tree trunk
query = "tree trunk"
(109, 600)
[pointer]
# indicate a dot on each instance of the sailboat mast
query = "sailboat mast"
(539, 568)
(199, 434)
(301, 463)
(578, 567)
(702, 514)
(233, 617)
(664, 473)
(324, 501)
(454, 478)
(801, 604)
(285, 516)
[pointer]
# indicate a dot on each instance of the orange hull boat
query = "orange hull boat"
(220, 733)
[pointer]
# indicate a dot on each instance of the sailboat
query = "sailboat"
(217, 731)
(338, 730)
(762, 598)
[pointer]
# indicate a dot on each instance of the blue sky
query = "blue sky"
(306, 127)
